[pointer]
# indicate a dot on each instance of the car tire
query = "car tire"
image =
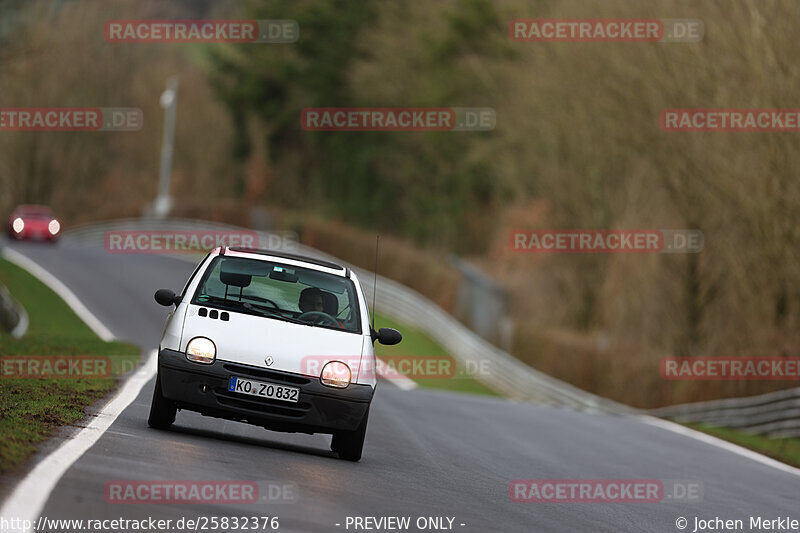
(162, 410)
(349, 444)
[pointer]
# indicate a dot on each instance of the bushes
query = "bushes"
(426, 272)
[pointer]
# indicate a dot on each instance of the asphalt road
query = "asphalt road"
(427, 454)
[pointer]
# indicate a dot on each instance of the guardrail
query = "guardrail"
(776, 414)
(503, 373)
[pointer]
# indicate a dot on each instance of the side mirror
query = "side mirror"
(166, 297)
(387, 336)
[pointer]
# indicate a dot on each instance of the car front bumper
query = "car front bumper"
(204, 389)
(33, 234)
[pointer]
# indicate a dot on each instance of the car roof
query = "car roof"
(294, 257)
(32, 209)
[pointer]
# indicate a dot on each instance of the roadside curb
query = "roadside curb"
(61, 290)
(28, 497)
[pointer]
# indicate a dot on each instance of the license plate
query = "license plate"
(263, 390)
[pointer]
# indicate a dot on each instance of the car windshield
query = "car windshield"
(280, 292)
(33, 211)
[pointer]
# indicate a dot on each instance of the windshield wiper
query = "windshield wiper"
(269, 311)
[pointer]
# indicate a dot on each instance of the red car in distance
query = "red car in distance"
(33, 222)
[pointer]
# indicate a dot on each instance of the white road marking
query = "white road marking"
(61, 290)
(395, 377)
(719, 443)
(30, 495)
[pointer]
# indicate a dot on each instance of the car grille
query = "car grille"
(279, 377)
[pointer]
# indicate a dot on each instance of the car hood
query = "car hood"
(34, 221)
(252, 340)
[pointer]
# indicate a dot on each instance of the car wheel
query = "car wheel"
(348, 444)
(162, 411)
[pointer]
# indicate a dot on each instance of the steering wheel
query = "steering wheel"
(324, 316)
(267, 300)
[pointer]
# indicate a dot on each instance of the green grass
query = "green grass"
(786, 450)
(32, 409)
(416, 344)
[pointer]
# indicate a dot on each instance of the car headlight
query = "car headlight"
(201, 350)
(54, 227)
(335, 374)
(18, 225)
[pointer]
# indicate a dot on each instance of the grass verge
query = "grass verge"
(416, 345)
(786, 450)
(32, 409)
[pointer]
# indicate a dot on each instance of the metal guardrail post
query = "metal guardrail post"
(12, 316)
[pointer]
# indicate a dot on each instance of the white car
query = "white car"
(277, 340)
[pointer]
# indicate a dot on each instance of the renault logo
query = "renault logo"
(269, 360)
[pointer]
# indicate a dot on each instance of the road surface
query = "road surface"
(427, 453)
